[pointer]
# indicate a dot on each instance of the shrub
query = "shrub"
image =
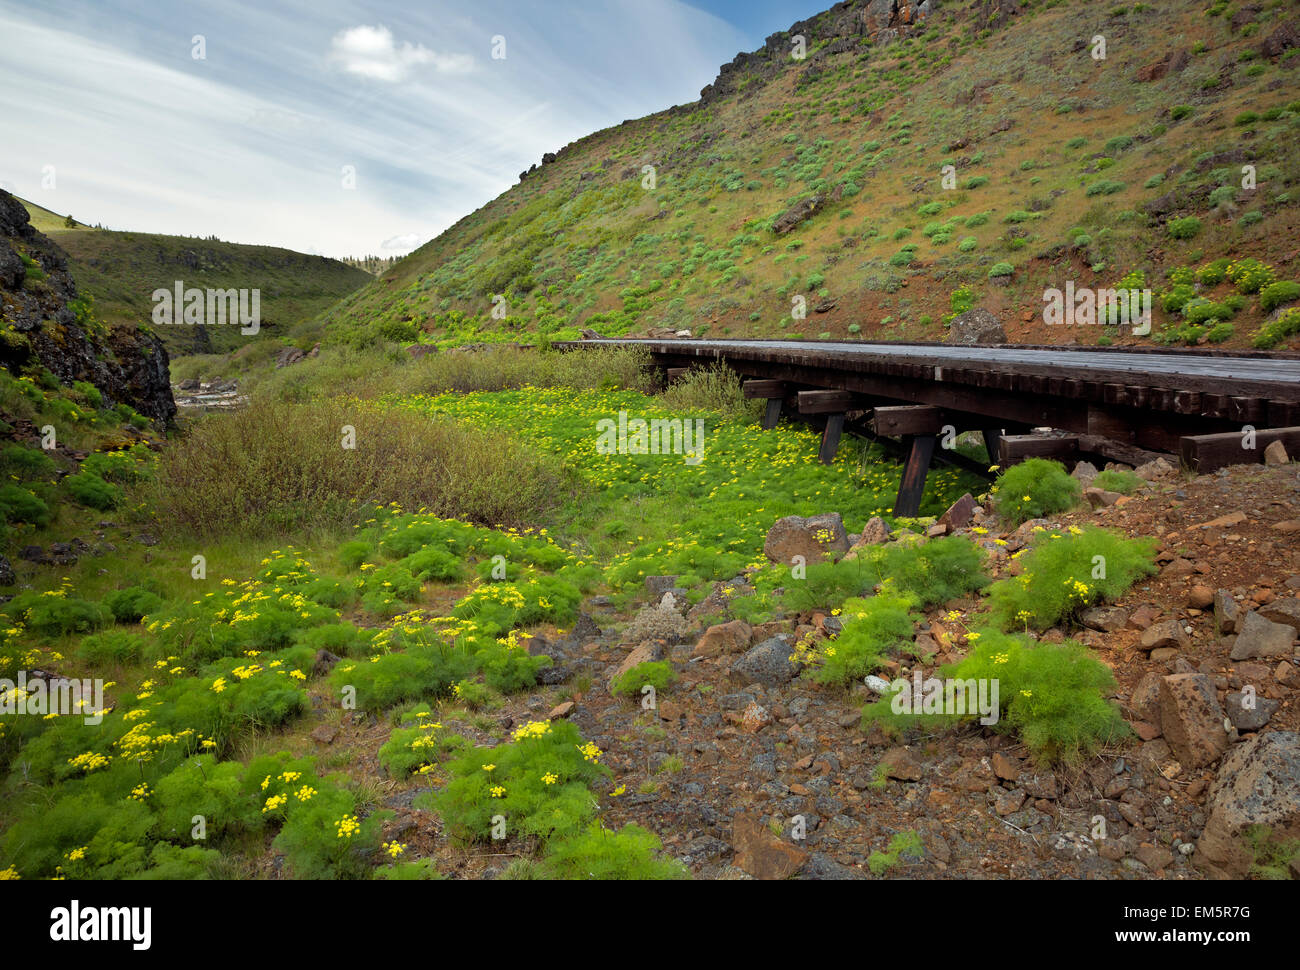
(17, 504)
(1250, 275)
(1068, 572)
(1212, 274)
(419, 743)
(1275, 294)
(631, 853)
(1184, 228)
(111, 647)
(655, 673)
(243, 474)
(1034, 488)
(539, 781)
(92, 491)
(872, 627)
(57, 615)
(131, 604)
(1053, 695)
(1272, 334)
(1001, 269)
(714, 389)
(1104, 187)
(904, 844)
(28, 464)
(1124, 482)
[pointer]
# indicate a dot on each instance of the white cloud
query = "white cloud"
(371, 52)
(406, 241)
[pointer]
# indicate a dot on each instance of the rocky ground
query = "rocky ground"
(740, 747)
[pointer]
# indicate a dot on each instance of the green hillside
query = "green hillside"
(120, 271)
(1064, 167)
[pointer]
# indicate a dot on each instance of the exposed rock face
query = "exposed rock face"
(977, 326)
(1258, 784)
(128, 366)
(811, 538)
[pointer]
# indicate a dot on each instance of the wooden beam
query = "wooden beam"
(763, 389)
(824, 402)
(675, 374)
(911, 487)
(772, 414)
(1017, 447)
(831, 438)
(1208, 452)
(906, 420)
(993, 444)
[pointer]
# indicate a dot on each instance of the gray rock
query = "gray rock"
(768, 664)
(977, 326)
(1262, 638)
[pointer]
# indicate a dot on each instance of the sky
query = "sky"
(334, 127)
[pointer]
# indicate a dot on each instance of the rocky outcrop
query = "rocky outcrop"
(47, 325)
(977, 326)
(1257, 785)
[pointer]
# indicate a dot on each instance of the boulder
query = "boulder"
(1283, 611)
(1192, 720)
(810, 538)
(1226, 612)
(958, 515)
(977, 326)
(1275, 454)
(761, 853)
(1257, 784)
(1168, 633)
(768, 664)
(1084, 472)
(800, 212)
(1262, 638)
(724, 638)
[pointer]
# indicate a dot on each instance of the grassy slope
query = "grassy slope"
(580, 243)
(122, 269)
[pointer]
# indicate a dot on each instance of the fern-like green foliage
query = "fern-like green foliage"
(1065, 572)
(1126, 483)
(1052, 695)
(872, 627)
(902, 844)
(1034, 488)
(657, 673)
(631, 853)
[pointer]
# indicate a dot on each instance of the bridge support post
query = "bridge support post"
(772, 414)
(831, 438)
(911, 486)
(993, 444)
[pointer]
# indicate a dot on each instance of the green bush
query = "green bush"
(1124, 482)
(1066, 572)
(1275, 294)
(111, 647)
(1001, 269)
(1272, 334)
(17, 504)
(131, 604)
(1052, 695)
(539, 782)
(872, 627)
(656, 673)
(92, 491)
(631, 853)
(57, 615)
(1184, 228)
(1034, 488)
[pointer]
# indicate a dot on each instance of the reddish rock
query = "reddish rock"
(761, 853)
(1192, 720)
(724, 638)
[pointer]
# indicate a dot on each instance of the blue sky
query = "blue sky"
(333, 127)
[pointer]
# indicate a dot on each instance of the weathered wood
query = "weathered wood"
(993, 444)
(772, 414)
(763, 389)
(831, 438)
(824, 402)
(911, 487)
(907, 419)
(1017, 447)
(677, 373)
(1209, 452)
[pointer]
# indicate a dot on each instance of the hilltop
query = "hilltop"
(120, 271)
(823, 178)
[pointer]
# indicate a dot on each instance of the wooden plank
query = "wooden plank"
(831, 438)
(763, 389)
(772, 414)
(676, 373)
(824, 402)
(1208, 452)
(907, 419)
(911, 487)
(993, 443)
(1017, 447)
(1248, 410)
